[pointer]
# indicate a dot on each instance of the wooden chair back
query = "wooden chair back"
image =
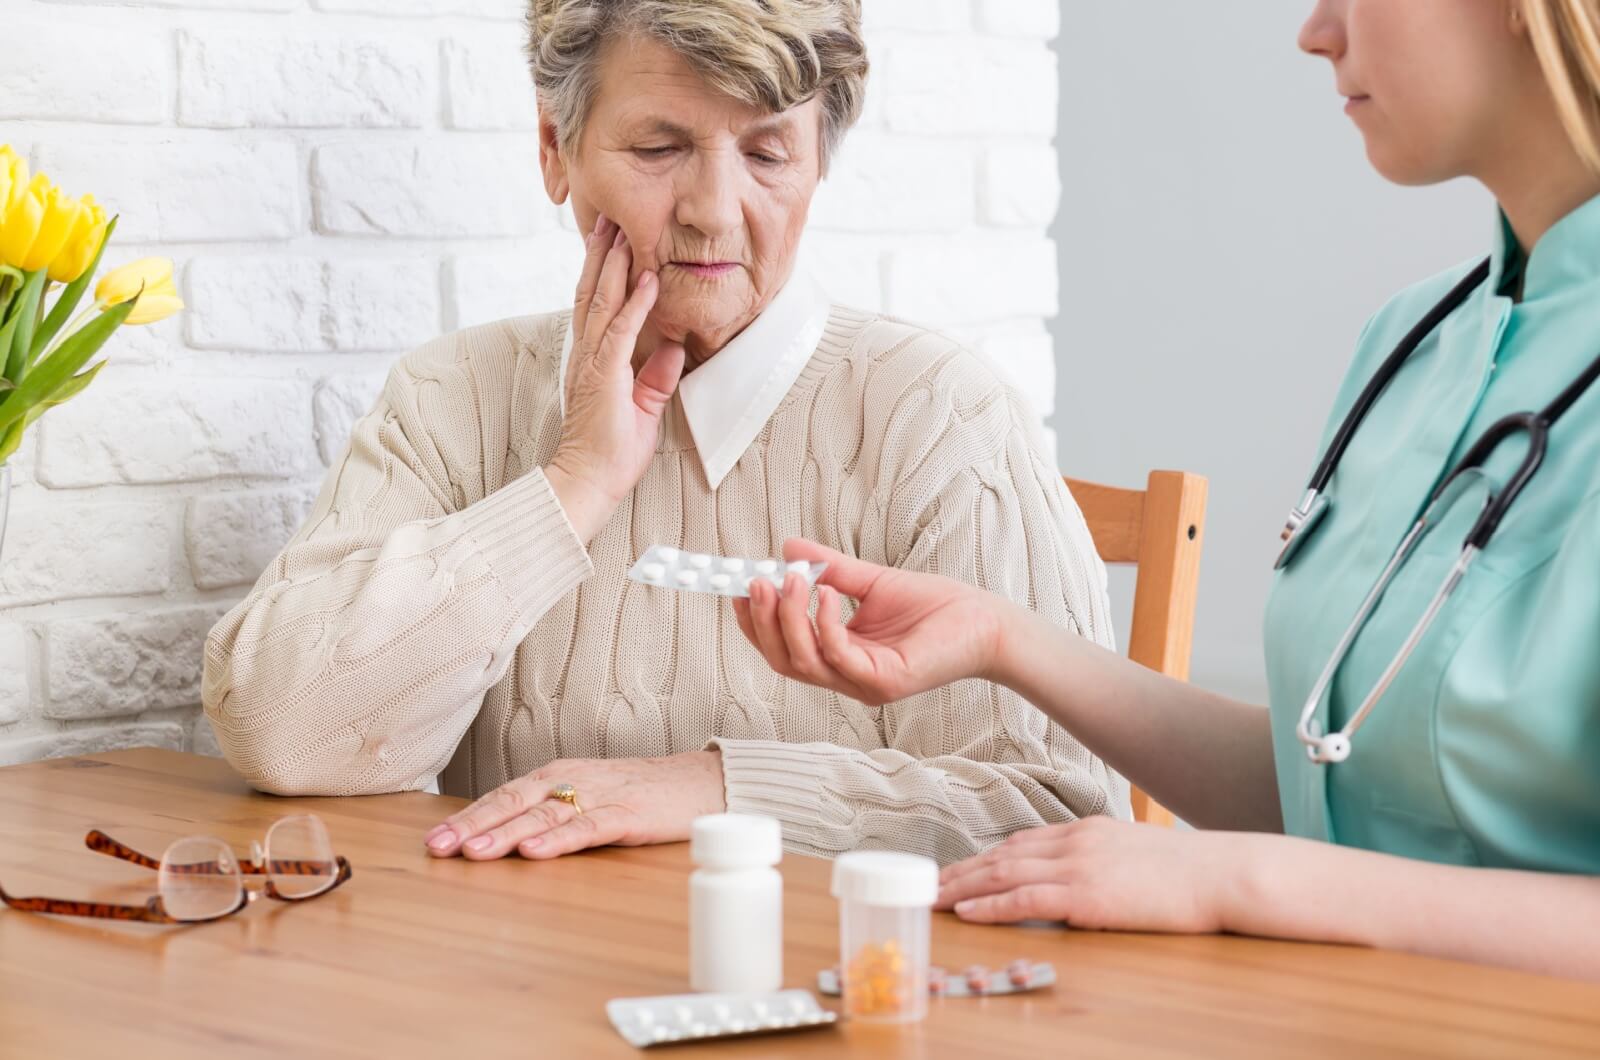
(1160, 530)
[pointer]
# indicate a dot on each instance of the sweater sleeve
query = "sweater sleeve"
(363, 653)
(966, 765)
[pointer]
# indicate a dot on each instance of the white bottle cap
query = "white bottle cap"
(736, 841)
(883, 878)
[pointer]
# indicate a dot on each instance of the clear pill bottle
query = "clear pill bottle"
(735, 904)
(885, 903)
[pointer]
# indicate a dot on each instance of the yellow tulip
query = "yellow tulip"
(82, 243)
(13, 177)
(159, 300)
(56, 223)
(24, 215)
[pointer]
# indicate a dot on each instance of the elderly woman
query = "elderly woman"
(456, 603)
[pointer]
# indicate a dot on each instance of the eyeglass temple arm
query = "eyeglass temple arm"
(152, 912)
(101, 843)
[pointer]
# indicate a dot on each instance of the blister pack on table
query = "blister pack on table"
(647, 1021)
(1015, 978)
(700, 572)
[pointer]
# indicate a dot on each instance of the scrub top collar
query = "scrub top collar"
(1564, 256)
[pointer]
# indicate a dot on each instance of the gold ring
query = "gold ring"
(568, 794)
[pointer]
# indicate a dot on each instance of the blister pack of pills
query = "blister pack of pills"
(647, 1021)
(697, 572)
(977, 981)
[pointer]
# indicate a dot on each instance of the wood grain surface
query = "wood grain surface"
(420, 957)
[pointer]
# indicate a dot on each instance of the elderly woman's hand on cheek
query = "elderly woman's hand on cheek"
(623, 802)
(608, 432)
(1103, 874)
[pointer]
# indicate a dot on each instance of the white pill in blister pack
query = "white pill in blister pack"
(723, 575)
(647, 1021)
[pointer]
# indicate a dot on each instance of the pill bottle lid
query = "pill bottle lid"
(735, 841)
(883, 878)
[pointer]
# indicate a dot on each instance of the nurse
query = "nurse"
(1427, 774)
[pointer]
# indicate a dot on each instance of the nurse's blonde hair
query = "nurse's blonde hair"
(1566, 38)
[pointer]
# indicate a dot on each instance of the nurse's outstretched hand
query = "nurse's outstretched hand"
(910, 631)
(613, 414)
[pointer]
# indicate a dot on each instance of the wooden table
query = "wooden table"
(417, 956)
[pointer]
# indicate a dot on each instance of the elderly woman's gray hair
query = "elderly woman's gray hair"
(771, 54)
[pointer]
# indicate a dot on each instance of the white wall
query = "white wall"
(341, 179)
(1222, 242)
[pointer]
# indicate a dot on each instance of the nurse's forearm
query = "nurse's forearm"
(1300, 889)
(1206, 757)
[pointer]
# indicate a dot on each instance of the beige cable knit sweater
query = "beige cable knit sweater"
(437, 613)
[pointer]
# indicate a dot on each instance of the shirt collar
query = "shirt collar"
(1567, 254)
(728, 399)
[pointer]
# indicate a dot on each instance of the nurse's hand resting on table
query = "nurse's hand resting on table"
(1099, 873)
(625, 802)
(613, 415)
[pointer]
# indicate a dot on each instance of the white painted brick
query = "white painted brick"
(382, 303)
(58, 548)
(540, 278)
(231, 537)
(487, 82)
(178, 430)
(849, 268)
(340, 400)
(1027, 358)
(510, 10)
(203, 738)
(1020, 18)
(189, 192)
(1020, 185)
(250, 79)
(148, 344)
(56, 70)
(291, 304)
(440, 187)
(959, 86)
(892, 184)
(933, 16)
(256, 303)
(115, 665)
(88, 741)
(13, 673)
(974, 279)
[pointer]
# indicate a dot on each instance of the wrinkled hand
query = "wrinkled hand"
(911, 631)
(608, 434)
(625, 802)
(1099, 873)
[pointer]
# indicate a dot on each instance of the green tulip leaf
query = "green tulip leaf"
(25, 310)
(50, 374)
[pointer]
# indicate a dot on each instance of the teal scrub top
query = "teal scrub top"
(1486, 748)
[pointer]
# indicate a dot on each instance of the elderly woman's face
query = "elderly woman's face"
(711, 193)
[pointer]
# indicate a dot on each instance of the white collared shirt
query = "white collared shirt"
(729, 398)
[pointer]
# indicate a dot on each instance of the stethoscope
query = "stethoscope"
(1313, 508)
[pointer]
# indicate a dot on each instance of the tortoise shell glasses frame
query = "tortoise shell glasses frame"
(202, 877)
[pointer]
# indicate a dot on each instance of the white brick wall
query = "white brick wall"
(339, 180)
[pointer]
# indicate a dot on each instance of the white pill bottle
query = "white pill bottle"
(735, 904)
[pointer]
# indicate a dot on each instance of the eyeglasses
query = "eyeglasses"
(200, 879)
